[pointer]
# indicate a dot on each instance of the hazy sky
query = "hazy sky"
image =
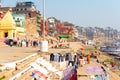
(87, 13)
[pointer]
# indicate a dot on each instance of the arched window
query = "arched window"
(25, 9)
(21, 9)
(17, 9)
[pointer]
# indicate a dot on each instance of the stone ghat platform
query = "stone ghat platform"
(11, 54)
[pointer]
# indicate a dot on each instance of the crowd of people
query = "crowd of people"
(21, 43)
(77, 59)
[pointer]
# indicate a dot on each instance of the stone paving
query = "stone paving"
(11, 54)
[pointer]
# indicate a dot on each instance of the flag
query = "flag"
(1, 15)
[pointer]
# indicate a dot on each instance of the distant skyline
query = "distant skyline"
(86, 13)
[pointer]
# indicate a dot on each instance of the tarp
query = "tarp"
(40, 74)
(64, 36)
(38, 18)
(94, 70)
(90, 70)
(68, 72)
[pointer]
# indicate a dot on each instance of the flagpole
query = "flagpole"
(43, 19)
(0, 4)
(44, 43)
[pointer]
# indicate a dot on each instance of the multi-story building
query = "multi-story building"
(75, 32)
(51, 21)
(24, 15)
(27, 8)
(20, 23)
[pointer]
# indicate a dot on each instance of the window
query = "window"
(25, 9)
(14, 18)
(6, 34)
(21, 9)
(17, 19)
(17, 9)
(13, 34)
(29, 14)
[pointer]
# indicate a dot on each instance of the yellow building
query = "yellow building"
(8, 27)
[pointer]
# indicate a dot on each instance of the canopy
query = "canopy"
(64, 36)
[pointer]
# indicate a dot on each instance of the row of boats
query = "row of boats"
(113, 49)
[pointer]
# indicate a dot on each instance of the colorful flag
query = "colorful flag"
(1, 15)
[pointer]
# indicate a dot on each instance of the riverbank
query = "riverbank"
(9, 54)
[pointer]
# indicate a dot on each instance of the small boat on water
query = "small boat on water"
(110, 48)
(114, 53)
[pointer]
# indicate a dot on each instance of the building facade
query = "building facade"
(8, 28)
(27, 8)
(20, 24)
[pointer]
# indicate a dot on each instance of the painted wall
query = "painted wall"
(9, 27)
(19, 20)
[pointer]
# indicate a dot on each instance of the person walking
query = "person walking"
(11, 43)
(88, 58)
(81, 60)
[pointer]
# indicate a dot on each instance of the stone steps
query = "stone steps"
(19, 67)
